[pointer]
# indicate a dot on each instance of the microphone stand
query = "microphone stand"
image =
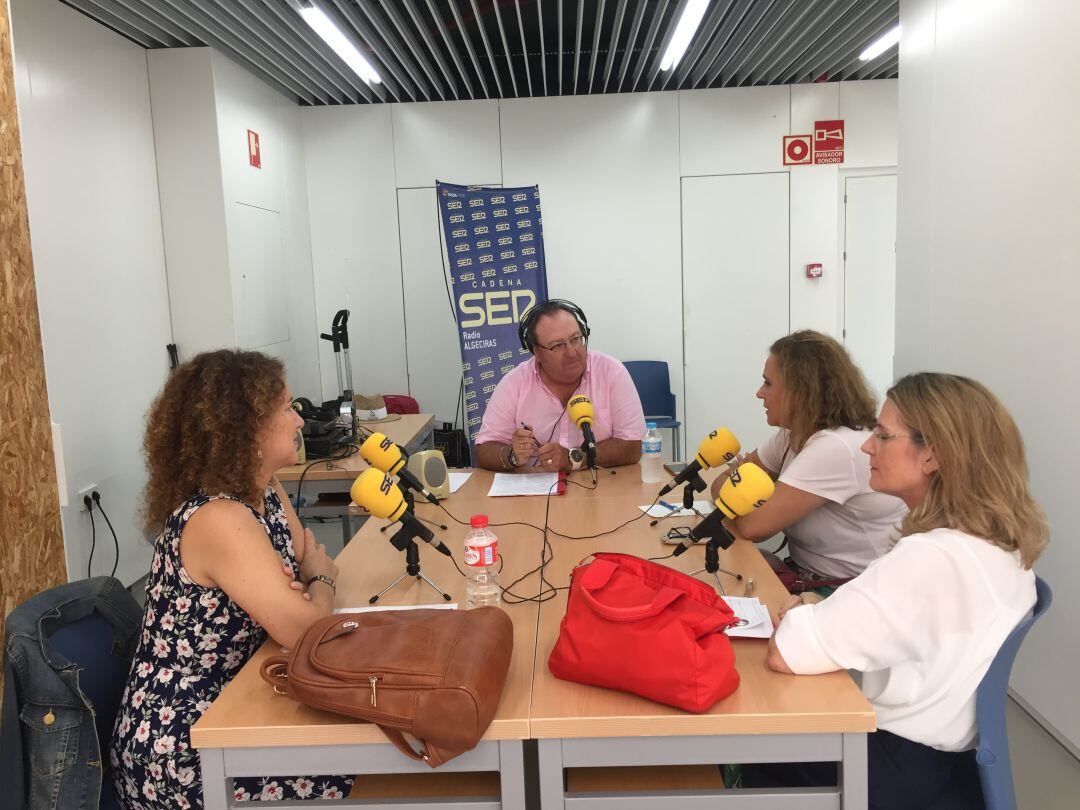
(404, 539)
(410, 503)
(721, 539)
(693, 486)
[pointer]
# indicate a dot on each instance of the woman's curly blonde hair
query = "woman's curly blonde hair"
(823, 388)
(202, 430)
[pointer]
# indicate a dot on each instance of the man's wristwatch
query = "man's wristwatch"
(577, 458)
(511, 458)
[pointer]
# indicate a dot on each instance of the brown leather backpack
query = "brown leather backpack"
(435, 674)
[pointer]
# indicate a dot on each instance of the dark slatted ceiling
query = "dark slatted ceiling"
(443, 50)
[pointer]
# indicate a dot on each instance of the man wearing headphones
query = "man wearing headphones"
(526, 426)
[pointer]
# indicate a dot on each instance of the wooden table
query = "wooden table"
(333, 477)
(770, 718)
(250, 731)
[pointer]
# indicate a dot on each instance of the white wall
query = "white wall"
(92, 195)
(987, 281)
(237, 238)
(609, 169)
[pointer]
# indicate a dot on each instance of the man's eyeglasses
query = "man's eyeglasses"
(575, 342)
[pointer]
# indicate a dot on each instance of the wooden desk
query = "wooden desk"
(250, 731)
(335, 476)
(770, 718)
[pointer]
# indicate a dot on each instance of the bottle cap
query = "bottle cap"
(650, 425)
(478, 521)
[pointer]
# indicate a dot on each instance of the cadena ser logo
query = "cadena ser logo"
(489, 388)
(507, 368)
(735, 478)
(758, 503)
(470, 394)
(524, 223)
(519, 197)
(506, 240)
(502, 226)
(507, 254)
(465, 262)
(498, 200)
(462, 248)
(457, 217)
(531, 265)
(528, 251)
(509, 268)
(468, 380)
(495, 307)
(468, 276)
(505, 355)
(478, 215)
(489, 273)
(484, 361)
(483, 243)
(453, 205)
(480, 230)
(474, 421)
(466, 366)
(472, 406)
(499, 213)
(476, 203)
(487, 258)
(521, 209)
(459, 233)
(525, 237)
(487, 375)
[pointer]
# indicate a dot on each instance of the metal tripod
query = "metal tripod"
(712, 564)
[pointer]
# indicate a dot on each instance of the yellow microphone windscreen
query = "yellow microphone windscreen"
(747, 489)
(581, 411)
(375, 493)
(719, 447)
(382, 454)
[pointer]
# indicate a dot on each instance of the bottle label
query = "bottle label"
(482, 555)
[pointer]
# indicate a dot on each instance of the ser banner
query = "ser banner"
(495, 244)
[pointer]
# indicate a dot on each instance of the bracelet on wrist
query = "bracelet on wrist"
(323, 578)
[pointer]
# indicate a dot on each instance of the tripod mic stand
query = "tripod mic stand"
(693, 486)
(712, 563)
(404, 539)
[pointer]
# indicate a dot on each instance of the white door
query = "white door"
(735, 298)
(432, 347)
(870, 276)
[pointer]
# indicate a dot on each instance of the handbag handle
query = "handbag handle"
(663, 597)
(274, 672)
(399, 741)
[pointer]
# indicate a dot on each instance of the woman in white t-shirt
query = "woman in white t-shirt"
(924, 622)
(835, 524)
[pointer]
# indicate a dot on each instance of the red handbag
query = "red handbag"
(639, 627)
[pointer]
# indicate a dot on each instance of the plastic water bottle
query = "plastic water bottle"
(481, 557)
(652, 462)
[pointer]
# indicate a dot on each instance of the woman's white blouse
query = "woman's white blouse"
(922, 624)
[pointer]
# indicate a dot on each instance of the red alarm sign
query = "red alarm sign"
(829, 141)
(814, 270)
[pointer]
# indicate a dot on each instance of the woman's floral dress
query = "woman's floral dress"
(194, 640)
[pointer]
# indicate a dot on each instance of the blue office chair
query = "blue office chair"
(992, 755)
(654, 389)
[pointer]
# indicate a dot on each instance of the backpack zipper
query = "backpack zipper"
(374, 679)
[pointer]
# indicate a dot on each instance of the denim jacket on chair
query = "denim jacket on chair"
(50, 756)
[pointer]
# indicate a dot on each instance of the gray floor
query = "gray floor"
(1047, 776)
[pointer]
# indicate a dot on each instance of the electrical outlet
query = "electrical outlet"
(84, 492)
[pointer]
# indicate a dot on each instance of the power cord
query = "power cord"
(116, 543)
(89, 504)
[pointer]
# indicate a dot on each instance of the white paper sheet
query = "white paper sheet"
(524, 484)
(457, 481)
(377, 608)
(754, 613)
(703, 508)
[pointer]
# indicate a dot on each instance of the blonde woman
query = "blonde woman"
(835, 524)
(924, 622)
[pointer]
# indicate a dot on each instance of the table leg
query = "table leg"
(550, 760)
(854, 773)
(215, 787)
(512, 774)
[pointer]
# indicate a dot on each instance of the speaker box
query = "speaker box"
(429, 467)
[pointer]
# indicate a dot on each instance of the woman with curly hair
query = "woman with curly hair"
(835, 524)
(924, 622)
(226, 534)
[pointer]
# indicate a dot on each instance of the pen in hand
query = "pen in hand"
(533, 438)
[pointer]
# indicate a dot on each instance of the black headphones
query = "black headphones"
(529, 319)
